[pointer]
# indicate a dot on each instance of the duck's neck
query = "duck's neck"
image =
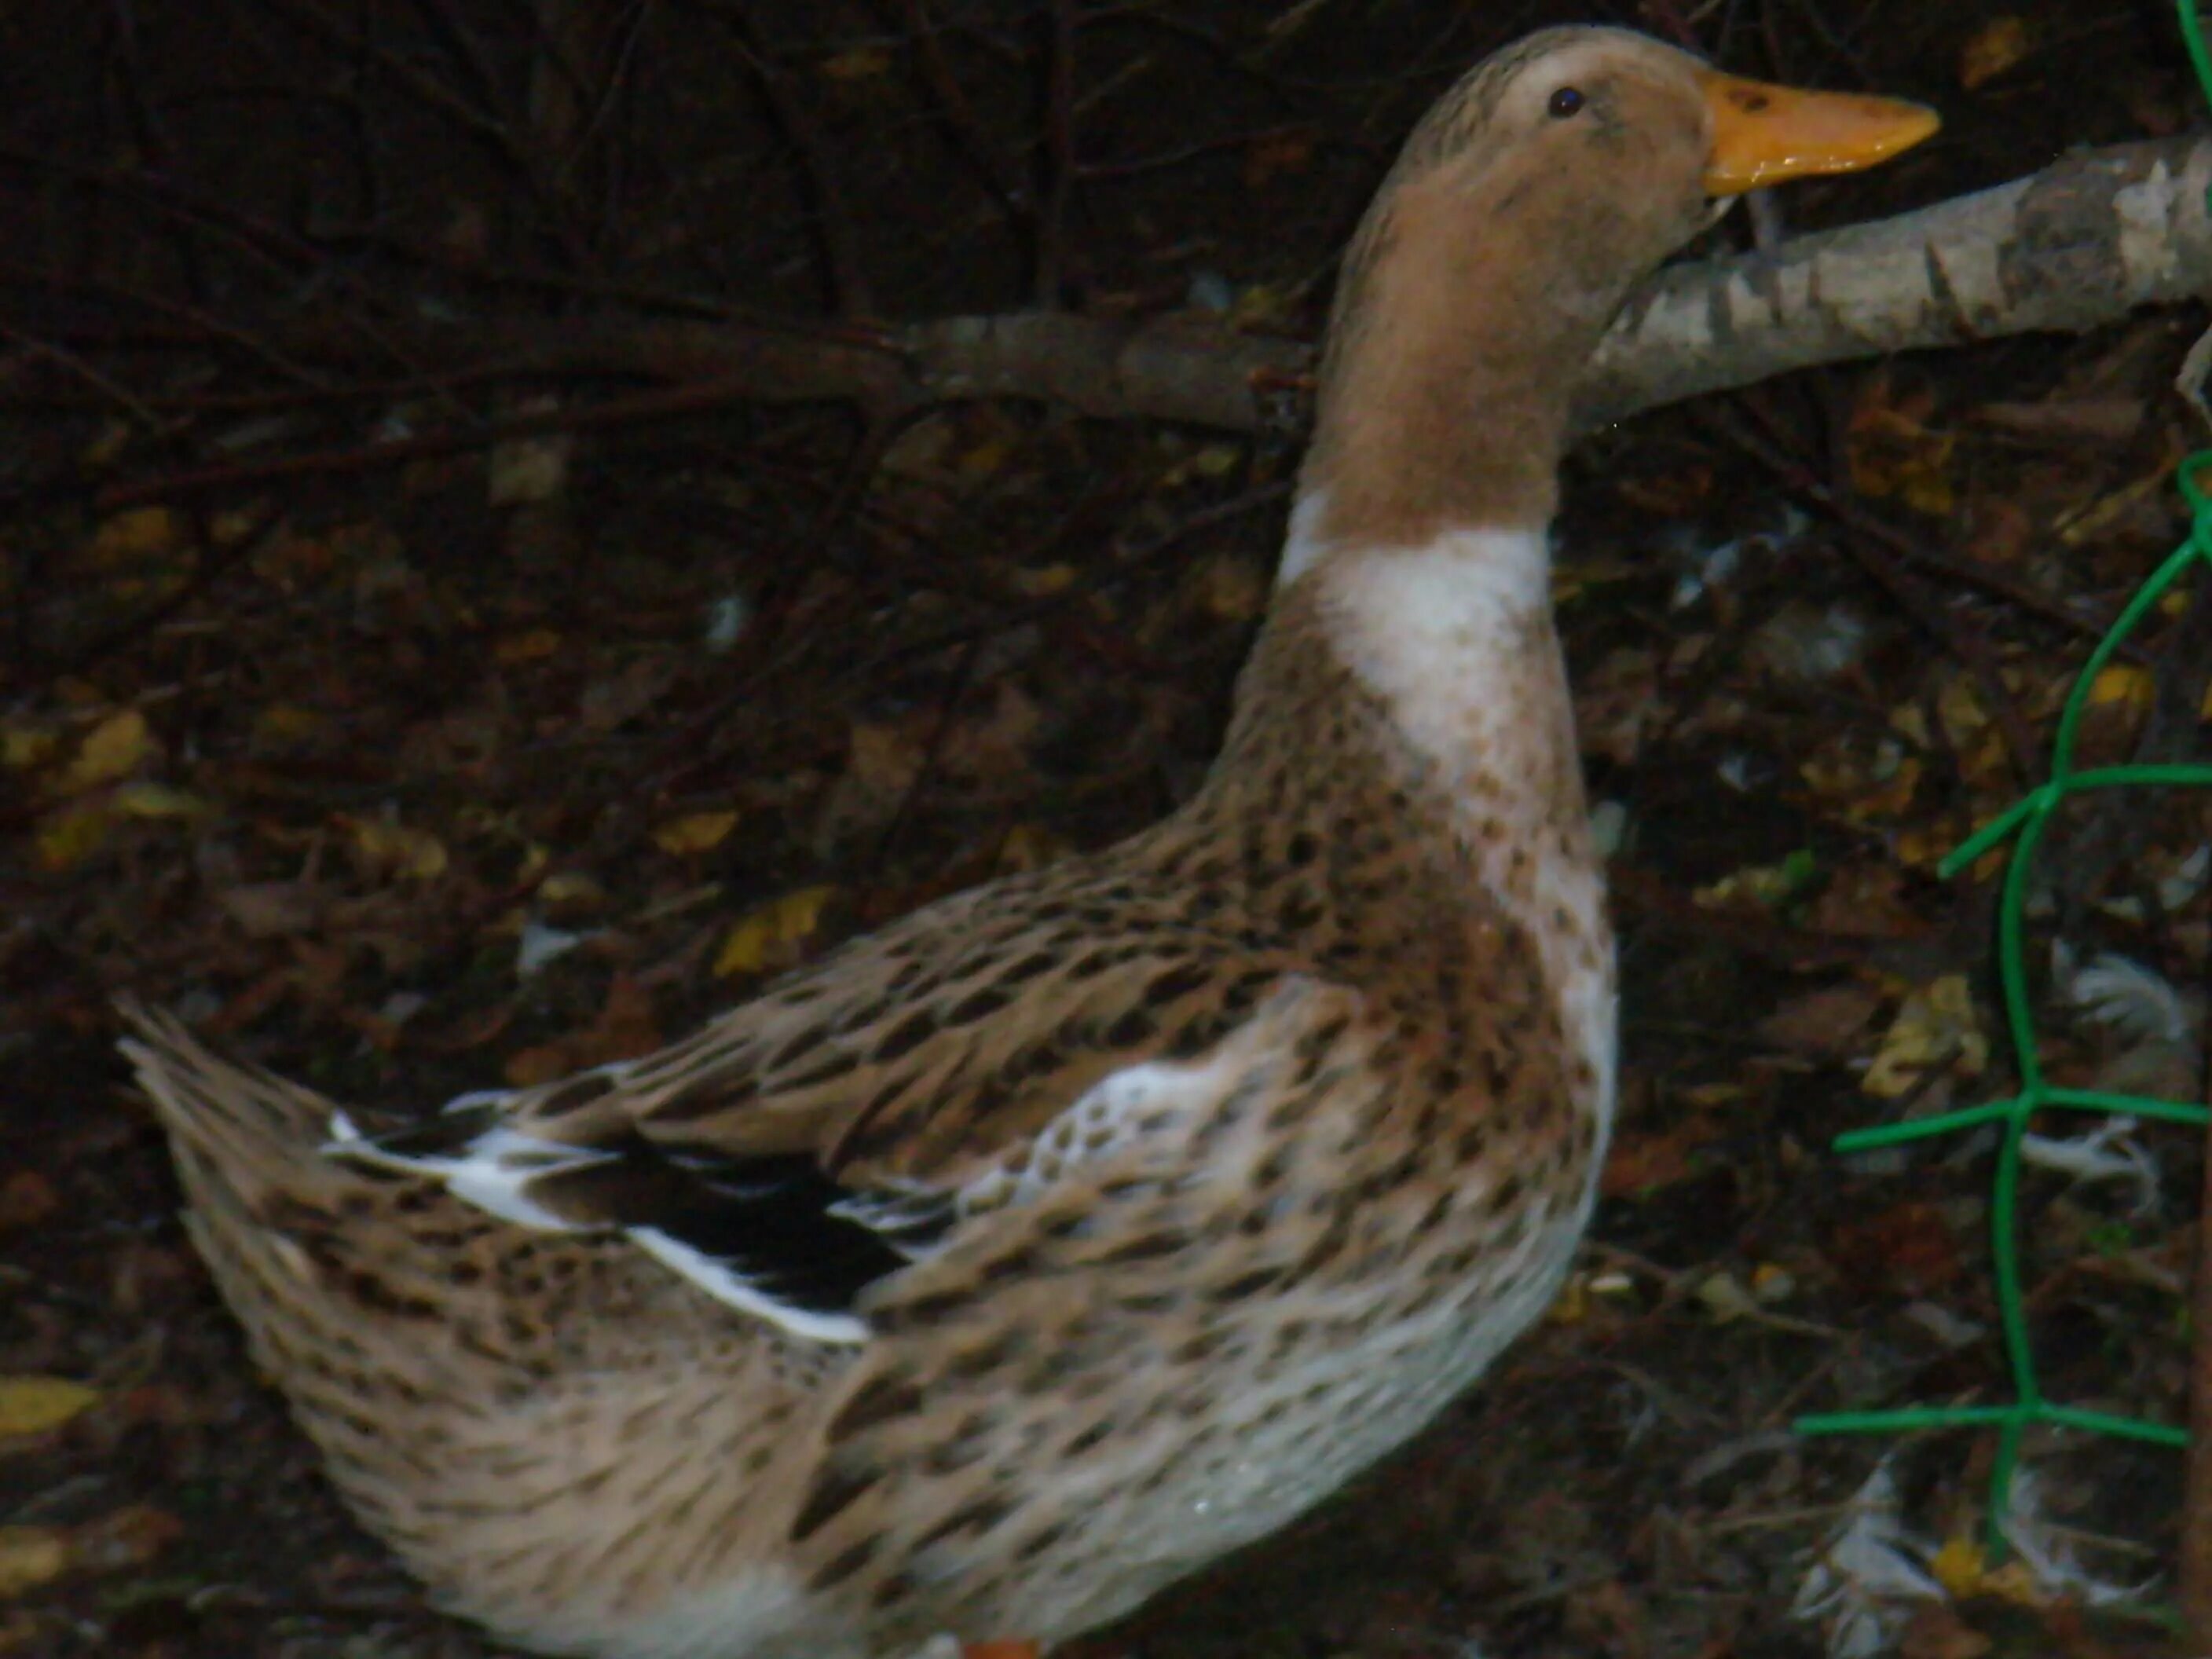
(1458, 333)
(1452, 639)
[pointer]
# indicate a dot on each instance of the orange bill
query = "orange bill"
(1763, 134)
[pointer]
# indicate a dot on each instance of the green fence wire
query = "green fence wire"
(2024, 823)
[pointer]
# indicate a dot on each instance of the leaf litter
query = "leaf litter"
(413, 801)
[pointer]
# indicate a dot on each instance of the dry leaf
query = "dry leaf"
(65, 840)
(694, 833)
(1894, 457)
(135, 533)
(37, 1404)
(883, 760)
(30, 1557)
(536, 646)
(142, 799)
(23, 745)
(1822, 1023)
(860, 63)
(128, 1537)
(273, 910)
(775, 935)
(1936, 1026)
(1647, 1163)
(395, 849)
(1231, 588)
(116, 747)
(1999, 44)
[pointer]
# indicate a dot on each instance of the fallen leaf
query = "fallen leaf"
(134, 533)
(65, 840)
(1935, 1027)
(397, 850)
(146, 800)
(535, 645)
(860, 63)
(1644, 1163)
(30, 1557)
(1763, 884)
(694, 833)
(1893, 454)
(273, 910)
(116, 747)
(25, 745)
(2123, 684)
(1231, 588)
(1999, 44)
(1823, 1024)
(774, 935)
(884, 759)
(38, 1405)
(128, 1537)
(625, 1029)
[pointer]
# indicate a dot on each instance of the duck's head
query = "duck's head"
(1525, 205)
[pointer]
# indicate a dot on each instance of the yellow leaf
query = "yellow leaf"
(2123, 684)
(1893, 456)
(697, 832)
(134, 533)
(26, 746)
(1726, 1093)
(33, 1405)
(533, 647)
(30, 1557)
(2014, 1582)
(1232, 588)
(1997, 46)
(861, 64)
(119, 745)
(1958, 1567)
(566, 886)
(1045, 582)
(1262, 307)
(770, 936)
(1936, 1026)
(984, 459)
(1572, 1304)
(144, 800)
(66, 839)
(415, 853)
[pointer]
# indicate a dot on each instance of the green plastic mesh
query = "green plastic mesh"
(2024, 825)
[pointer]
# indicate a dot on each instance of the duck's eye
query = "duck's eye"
(1566, 101)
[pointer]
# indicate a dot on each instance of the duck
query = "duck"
(978, 1279)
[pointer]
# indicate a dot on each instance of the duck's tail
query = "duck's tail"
(459, 1374)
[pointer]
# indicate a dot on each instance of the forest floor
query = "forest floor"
(489, 767)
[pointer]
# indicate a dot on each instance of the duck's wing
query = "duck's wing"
(972, 1057)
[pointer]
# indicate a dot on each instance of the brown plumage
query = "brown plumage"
(1002, 1267)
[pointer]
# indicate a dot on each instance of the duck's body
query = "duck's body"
(1005, 1265)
